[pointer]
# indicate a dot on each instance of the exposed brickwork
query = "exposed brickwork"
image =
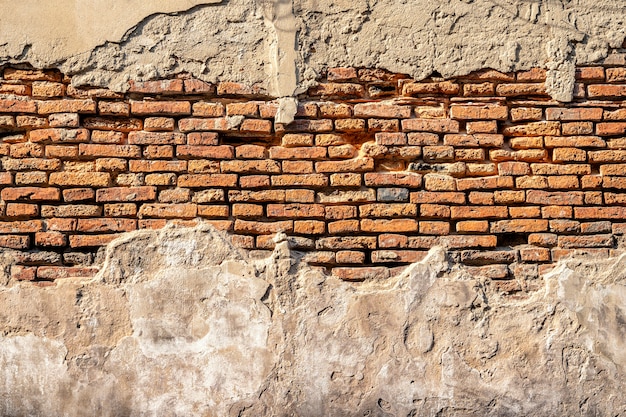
(375, 170)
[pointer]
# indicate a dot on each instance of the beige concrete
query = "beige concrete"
(255, 42)
(180, 321)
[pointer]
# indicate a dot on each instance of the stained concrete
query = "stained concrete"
(181, 321)
(283, 46)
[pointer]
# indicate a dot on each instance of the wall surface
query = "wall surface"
(312, 207)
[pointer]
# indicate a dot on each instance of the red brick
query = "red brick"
(295, 210)
(600, 212)
(422, 87)
(519, 226)
(312, 180)
(381, 110)
(389, 226)
(17, 106)
(14, 241)
(279, 152)
(465, 184)
(26, 226)
(430, 125)
(251, 152)
(30, 194)
(207, 180)
(256, 126)
(479, 139)
(82, 241)
(479, 112)
(513, 168)
(168, 211)
(472, 226)
(125, 194)
(213, 211)
(577, 113)
(350, 257)
(117, 151)
(388, 210)
(521, 89)
(213, 152)
(341, 74)
(157, 166)
(263, 228)
(534, 129)
(338, 90)
(361, 274)
(611, 128)
(478, 212)
(23, 273)
(80, 179)
(106, 225)
(604, 90)
(469, 241)
(66, 106)
(343, 227)
(21, 210)
(59, 135)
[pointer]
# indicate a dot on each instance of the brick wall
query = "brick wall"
(375, 170)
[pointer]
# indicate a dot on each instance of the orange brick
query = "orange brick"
(388, 210)
(534, 129)
(247, 210)
(563, 182)
(66, 106)
(207, 180)
(472, 226)
(489, 126)
(430, 125)
(437, 182)
(340, 212)
(279, 152)
(78, 194)
(606, 90)
(513, 168)
(78, 179)
(434, 228)
(106, 225)
(338, 90)
(389, 226)
(21, 210)
(343, 227)
(350, 257)
(380, 110)
(256, 126)
(333, 110)
(481, 90)
(481, 198)
(534, 254)
(81, 241)
(119, 151)
(309, 227)
(423, 139)
(297, 167)
(31, 194)
(263, 228)
(353, 165)
(169, 211)
(59, 135)
(259, 166)
(361, 274)
(556, 212)
(560, 169)
(465, 184)
(291, 180)
(295, 210)
(434, 211)
(300, 196)
(113, 108)
(527, 212)
(443, 87)
(297, 139)
(554, 198)
(251, 152)
(478, 212)
(521, 89)
(469, 241)
(102, 136)
(213, 211)
(478, 112)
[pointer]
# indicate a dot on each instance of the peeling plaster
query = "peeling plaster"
(283, 46)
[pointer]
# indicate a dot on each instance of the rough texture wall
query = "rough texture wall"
(375, 169)
(420, 207)
(181, 321)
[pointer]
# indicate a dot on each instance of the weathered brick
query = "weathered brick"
(430, 125)
(312, 152)
(80, 179)
(157, 166)
(469, 241)
(361, 274)
(560, 169)
(295, 210)
(422, 87)
(212, 152)
(83, 241)
(519, 226)
(169, 211)
(66, 106)
(577, 113)
(606, 90)
(294, 180)
(389, 226)
(30, 194)
(434, 211)
(343, 227)
(381, 110)
(17, 106)
(479, 112)
(59, 135)
(156, 87)
(521, 89)
(479, 139)
(472, 226)
(263, 228)
(207, 180)
(478, 212)
(338, 90)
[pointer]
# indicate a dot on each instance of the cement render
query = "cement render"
(284, 46)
